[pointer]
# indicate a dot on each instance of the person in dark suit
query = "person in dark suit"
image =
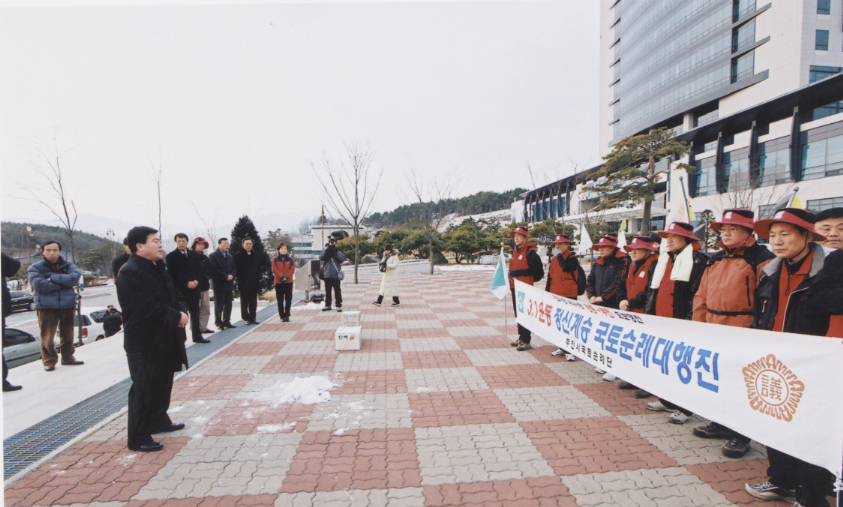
(223, 271)
(9, 266)
(185, 270)
(249, 270)
(153, 338)
(118, 261)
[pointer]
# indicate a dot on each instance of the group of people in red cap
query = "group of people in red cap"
(793, 286)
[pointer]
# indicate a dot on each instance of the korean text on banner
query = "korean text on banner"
(776, 388)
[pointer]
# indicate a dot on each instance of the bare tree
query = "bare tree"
(156, 177)
(55, 197)
(431, 197)
(745, 191)
(349, 189)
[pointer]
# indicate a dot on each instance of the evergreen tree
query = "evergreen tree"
(244, 228)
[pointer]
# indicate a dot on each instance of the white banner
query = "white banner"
(780, 389)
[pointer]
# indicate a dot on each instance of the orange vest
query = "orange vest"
(562, 283)
(636, 281)
(835, 326)
(787, 283)
(519, 261)
(664, 299)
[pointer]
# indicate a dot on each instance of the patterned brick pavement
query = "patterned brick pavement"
(436, 409)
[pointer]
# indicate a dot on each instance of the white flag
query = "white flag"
(585, 241)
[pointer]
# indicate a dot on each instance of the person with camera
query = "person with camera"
(389, 281)
(332, 274)
(284, 269)
(111, 322)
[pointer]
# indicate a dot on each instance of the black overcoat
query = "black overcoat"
(151, 314)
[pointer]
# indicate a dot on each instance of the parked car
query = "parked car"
(20, 347)
(22, 300)
(92, 328)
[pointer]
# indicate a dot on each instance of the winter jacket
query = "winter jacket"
(249, 270)
(607, 279)
(151, 314)
(54, 287)
(283, 266)
(639, 278)
(204, 271)
(810, 304)
(562, 275)
(389, 278)
(675, 299)
(330, 267)
(727, 287)
(111, 324)
(117, 263)
(183, 268)
(222, 265)
(9, 267)
(525, 265)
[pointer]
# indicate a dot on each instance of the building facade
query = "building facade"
(754, 86)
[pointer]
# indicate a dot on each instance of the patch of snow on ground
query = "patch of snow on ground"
(422, 389)
(308, 391)
(176, 409)
(341, 431)
(276, 428)
(308, 306)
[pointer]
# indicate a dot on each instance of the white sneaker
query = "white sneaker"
(557, 352)
(655, 406)
(598, 370)
(571, 357)
(609, 377)
(678, 417)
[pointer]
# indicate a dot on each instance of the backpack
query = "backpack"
(580, 278)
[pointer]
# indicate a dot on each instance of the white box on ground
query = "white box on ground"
(348, 338)
(350, 319)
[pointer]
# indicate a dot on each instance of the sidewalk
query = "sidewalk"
(435, 409)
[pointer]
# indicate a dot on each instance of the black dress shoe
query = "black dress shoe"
(7, 387)
(201, 340)
(49, 368)
(150, 447)
(255, 323)
(172, 427)
(229, 325)
(73, 363)
(206, 331)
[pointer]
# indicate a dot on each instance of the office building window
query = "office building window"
(821, 40)
(736, 171)
(823, 6)
(743, 66)
(702, 119)
(820, 72)
(821, 158)
(766, 211)
(704, 179)
(773, 163)
(817, 205)
(743, 36)
(741, 7)
(827, 110)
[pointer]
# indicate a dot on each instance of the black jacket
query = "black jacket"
(222, 265)
(204, 272)
(183, 269)
(249, 270)
(111, 324)
(683, 292)
(9, 267)
(607, 279)
(151, 314)
(811, 303)
(117, 263)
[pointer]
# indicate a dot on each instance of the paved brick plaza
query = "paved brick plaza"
(436, 409)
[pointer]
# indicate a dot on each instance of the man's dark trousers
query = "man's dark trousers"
(249, 305)
(149, 399)
(812, 483)
(222, 307)
(191, 297)
(523, 333)
(333, 284)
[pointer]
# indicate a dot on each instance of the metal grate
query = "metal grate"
(39, 440)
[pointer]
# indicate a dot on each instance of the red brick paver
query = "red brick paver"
(436, 359)
(457, 408)
(616, 401)
(522, 375)
(539, 492)
(209, 387)
(300, 364)
(371, 382)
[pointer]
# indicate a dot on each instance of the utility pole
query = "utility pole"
(28, 250)
(110, 235)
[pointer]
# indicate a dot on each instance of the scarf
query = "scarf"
(683, 263)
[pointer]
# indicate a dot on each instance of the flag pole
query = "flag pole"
(505, 318)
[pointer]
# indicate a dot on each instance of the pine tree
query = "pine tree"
(244, 228)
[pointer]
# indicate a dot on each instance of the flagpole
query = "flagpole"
(505, 318)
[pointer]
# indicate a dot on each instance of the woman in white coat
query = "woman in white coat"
(389, 282)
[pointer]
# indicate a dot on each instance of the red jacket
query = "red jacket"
(636, 283)
(283, 267)
(520, 262)
(562, 280)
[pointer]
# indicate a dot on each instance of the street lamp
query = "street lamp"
(28, 250)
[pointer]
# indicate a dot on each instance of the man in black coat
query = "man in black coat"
(10, 266)
(184, 268)
(153, 337)
(118, 261)
(223, 271)
(249, 270)
(111, 322)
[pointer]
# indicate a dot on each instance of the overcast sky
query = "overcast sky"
(235, 102)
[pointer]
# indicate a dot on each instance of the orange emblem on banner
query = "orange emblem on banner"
(772, 388)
